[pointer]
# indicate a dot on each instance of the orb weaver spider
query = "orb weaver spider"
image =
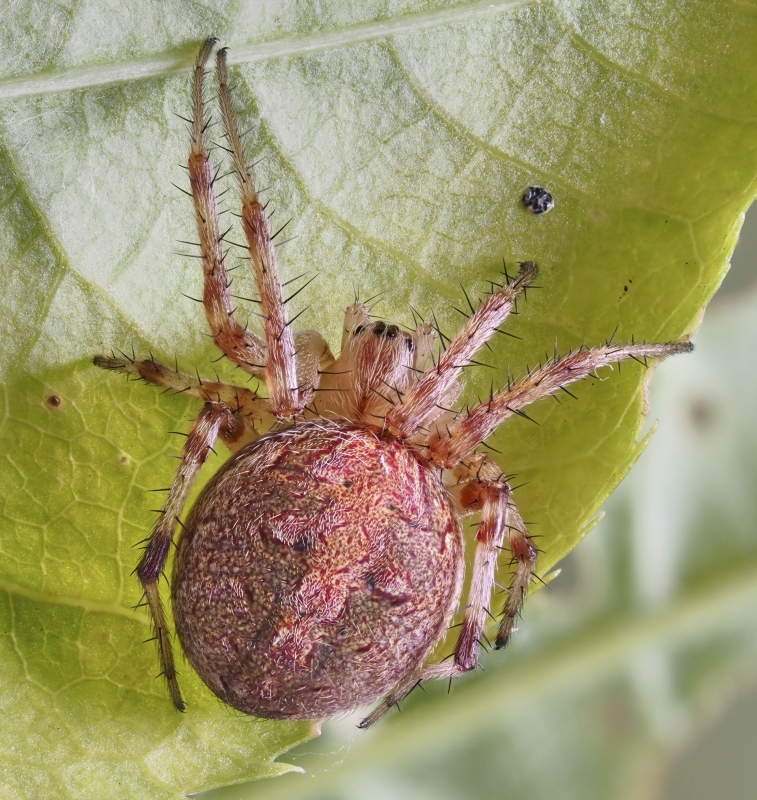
(323, 563)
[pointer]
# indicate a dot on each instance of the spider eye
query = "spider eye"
(359, 329)
(387, 331)
(410, 344)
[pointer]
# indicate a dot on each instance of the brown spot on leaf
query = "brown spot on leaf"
(53, 401)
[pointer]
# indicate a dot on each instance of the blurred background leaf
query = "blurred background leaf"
(400, 139)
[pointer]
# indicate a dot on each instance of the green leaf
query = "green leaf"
(400, 142)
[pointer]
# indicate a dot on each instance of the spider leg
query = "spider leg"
(481, 487)
(288, 396)
(448, 447)
(245, 403)
(524, 555)
(499, 519)
(420, 403)
(215, 419)
(240, 345)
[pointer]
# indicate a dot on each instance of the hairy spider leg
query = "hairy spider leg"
(524, 555)
(288, 392)
(452, 448)
(214, 420)
(422, 401)
(240, 345)
(449, 446)
(478, 480)
(498, 518)
(249, 408)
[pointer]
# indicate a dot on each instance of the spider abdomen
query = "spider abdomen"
(317, 569)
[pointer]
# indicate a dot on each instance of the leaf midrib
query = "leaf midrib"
(65, 80)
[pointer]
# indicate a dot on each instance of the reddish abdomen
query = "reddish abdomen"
(317, 569)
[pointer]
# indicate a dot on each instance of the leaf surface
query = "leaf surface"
(400, 139)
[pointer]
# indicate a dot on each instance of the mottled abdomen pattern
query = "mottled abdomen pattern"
(317, 569)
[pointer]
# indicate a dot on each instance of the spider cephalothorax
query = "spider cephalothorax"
(323, 563)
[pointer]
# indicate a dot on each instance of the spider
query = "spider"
(323, 563)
